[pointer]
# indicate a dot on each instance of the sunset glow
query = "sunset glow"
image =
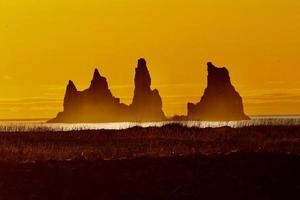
(44, 43)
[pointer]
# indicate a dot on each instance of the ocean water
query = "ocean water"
(39, 125)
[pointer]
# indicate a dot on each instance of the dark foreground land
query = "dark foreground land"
(235, 176)
(171, 162)
(169, 140)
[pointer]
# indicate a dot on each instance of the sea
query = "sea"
(41, 125)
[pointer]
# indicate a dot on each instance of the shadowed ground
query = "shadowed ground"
(167, 162)
(236, 176)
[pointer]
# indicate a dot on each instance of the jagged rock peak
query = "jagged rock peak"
(98, 81)
(96, 74)
(220, 100)
(71, 93)
(142, 63)
(142, 77)
(212, 68)
(146, 103)
(217, 76)
(71, 87)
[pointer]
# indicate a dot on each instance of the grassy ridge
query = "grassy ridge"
(136, 142)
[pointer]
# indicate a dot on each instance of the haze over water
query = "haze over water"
(40, 125)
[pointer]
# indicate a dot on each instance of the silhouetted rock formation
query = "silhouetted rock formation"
(97, 104)
(146, 104)
(220, 101)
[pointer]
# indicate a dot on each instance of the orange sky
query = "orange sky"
(44, 43)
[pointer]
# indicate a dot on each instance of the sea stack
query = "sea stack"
(146, 104)
(220, 101)
(95, 104)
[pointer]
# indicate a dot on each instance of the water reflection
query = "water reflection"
(29, 126)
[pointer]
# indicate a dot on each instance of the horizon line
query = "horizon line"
(45, 119)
